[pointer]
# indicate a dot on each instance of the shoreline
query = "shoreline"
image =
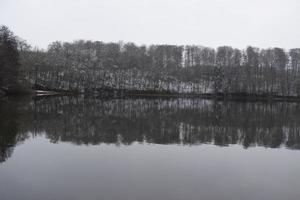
(151, 94)
(111, 93)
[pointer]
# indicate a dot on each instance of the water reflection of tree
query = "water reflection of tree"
(168, 121)
(11, 124)
(187, 121)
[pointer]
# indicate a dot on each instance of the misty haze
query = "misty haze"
(140, 99)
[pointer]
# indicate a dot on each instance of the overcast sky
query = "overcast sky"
(261, 23)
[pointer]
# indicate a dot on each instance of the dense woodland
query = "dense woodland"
(94, 66)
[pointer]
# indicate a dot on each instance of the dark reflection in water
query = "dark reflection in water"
(159, 121)
(11, 120)
(116, 149)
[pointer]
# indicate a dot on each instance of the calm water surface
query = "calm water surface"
(78, 148)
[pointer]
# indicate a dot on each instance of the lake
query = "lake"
(69, 148)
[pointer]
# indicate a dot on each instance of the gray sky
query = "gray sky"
(261, 23)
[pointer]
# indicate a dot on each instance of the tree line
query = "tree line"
(93, 66)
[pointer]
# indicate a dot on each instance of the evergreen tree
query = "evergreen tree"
(9, 60)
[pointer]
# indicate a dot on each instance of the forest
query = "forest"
(95, 67)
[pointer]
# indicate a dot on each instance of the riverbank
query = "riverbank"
(231, 97)
(111, 93)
